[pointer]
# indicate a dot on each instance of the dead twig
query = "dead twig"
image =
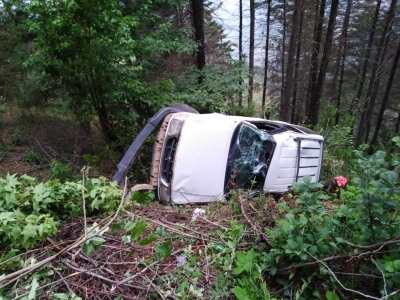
(53, 283)
(144, 270)
(212, 223)
(392, 241)
(5, 152)
(263, 235)
(338, 281)
(154, 287)
(62, 278)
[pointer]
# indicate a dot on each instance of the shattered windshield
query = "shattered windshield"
(249, 157)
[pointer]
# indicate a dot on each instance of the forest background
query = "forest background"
(78, 79)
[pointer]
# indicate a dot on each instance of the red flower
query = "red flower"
(341, 181)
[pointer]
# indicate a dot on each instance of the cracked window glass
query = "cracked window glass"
(249, 158)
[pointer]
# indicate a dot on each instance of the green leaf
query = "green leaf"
(163, 250)
(244, 261)
(97, 241)
(129, 226)
(389, 266)
(144, 198)
(396, 264)
(115, 228)
(126, 238)
(138, 229)
(88, 248)
(331, 296)
(161, 231)
(148, 240)
(241, 294)
(34, 286)
(391, 177)
(313, 249)
(273, 270)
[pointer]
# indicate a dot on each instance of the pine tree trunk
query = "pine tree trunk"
(283, 52)
(251, 52)
(285, 112)
(316, 94)
(198, 25)
(366, 60)
(342, 58)
(240, 46)
(385, 99)
(295, 110)
(369, 103)
(266, 59)
(319, 21)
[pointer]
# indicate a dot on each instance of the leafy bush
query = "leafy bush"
(313, 246)
(59, 170)
(31, 211)
(33, 158)
(16, 136)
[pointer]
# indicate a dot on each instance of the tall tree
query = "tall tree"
(266, 58)
(387, 32)
(283, 52)
(363, 128)
(251, 51)
(285, 112)
(240, 44)
(295, 112)
(385, 99)
(361, 80)
(317, 92)
(341, 59)
(316, 46)
(198, 25)
(98, 53)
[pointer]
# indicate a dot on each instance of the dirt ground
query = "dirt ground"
(29, 144)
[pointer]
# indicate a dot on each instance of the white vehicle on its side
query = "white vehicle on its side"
(199, 158)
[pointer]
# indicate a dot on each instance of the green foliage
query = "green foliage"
(217, 92)
(31, 211)
(338, 152)
(250, 282)
(16, 136)
(379, 202)
(142, 198)
(93, 244)
(59, 170)
(33, 158)
(101, 50)
(368, 216)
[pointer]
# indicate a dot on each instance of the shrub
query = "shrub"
(59, 170)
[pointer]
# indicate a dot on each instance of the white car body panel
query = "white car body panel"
(200, 160)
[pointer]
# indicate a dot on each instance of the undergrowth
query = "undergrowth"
(306, 245)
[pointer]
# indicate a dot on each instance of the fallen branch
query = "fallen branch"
(47, 285)
(8, 279)
(263, 235)
(392, 241)
(5, 152)
(341, 284)
(142, 271)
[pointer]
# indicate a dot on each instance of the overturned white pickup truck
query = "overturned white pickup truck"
(199, 158)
